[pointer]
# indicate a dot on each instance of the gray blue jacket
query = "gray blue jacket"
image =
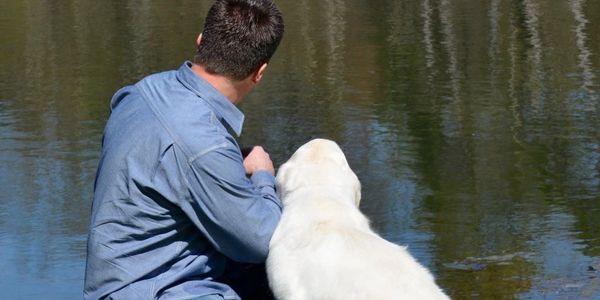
(172, 202)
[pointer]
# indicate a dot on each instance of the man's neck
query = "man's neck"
(234, 91)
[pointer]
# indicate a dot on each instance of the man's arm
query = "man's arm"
(237, 214)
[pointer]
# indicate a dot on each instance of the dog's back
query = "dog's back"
(323, 247)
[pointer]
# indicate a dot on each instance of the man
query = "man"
(175, 203)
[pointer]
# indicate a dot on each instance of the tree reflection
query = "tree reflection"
(474, 126)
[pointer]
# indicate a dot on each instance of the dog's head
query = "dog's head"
(317, 164)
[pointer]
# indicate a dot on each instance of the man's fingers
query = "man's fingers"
(258, 159)
(246, 150)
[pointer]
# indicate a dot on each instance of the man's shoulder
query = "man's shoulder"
(158, 84)
(134, 90)
(160, 77)
(188, 118)
(185, 115)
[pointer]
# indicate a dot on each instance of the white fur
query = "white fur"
(323, 248)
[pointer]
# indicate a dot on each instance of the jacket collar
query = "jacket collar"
(223, 108)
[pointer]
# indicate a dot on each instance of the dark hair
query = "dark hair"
(239, 36)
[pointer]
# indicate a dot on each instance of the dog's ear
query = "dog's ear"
(283, 180)
(357, 191)
(280, 178)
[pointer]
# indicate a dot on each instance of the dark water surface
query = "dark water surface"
(474, 127)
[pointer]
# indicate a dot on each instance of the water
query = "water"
(474, 127)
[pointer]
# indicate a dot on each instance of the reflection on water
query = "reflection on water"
(452, 114)
(427, 33)
(474, 128)
(585, 65)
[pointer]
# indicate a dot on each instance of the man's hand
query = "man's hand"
(258, 160)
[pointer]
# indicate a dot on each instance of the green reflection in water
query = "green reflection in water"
(474, 127)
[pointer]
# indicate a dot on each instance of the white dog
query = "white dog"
(323, 248)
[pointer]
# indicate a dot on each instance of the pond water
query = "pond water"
(474, 127)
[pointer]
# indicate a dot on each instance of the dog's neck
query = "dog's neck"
(332, 207)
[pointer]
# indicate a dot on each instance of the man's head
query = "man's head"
(239, 37)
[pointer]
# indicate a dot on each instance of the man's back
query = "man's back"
(172, 203)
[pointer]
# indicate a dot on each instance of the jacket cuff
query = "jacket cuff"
(262, 179)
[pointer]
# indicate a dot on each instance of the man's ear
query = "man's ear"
(259, 73)
(199, 39)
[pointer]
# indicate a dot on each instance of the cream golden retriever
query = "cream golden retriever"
(323, 248)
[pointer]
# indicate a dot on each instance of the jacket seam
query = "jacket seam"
(160, 119)
(206, 151)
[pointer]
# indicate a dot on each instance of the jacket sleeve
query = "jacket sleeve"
(237, 214)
